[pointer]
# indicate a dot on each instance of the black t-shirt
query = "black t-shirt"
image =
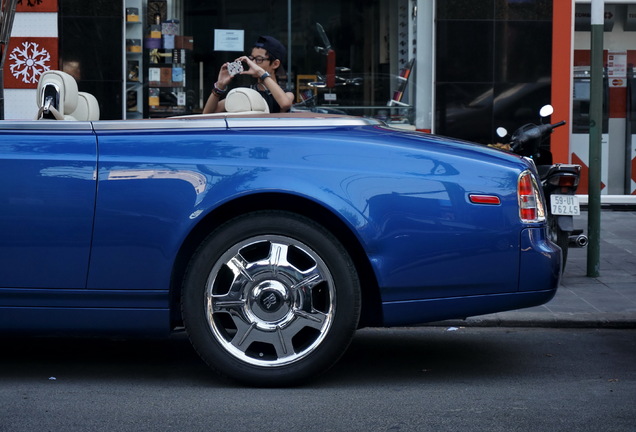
(271, 102)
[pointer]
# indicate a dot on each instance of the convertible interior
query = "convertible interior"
(58, 98)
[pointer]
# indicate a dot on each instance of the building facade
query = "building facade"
(454, 67)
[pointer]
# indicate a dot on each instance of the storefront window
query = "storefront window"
(90, 49)
(126, 60)
(351, 28)
(490, 71)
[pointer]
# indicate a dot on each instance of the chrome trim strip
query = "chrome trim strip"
(115, 125)
(49, 125)
(227, 121)
(224, 122)
(233, 122)
(290, 122)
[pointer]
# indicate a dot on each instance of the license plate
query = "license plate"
(565, 205)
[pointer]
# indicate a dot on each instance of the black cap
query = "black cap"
(272, 46)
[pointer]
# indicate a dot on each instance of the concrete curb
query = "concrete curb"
(545, 320)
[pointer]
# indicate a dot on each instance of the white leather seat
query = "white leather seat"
(245, 100)
(241, 100)
(87, 107)
(56, 96)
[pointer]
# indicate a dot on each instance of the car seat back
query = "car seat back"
(87, 107)
(245, 100)
(56, 96)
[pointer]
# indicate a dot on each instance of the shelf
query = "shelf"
(133, 62)
(167, 93)
(167, 111)
(133, 114)
(165, 85)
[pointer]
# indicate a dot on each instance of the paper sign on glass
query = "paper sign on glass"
(229, 40)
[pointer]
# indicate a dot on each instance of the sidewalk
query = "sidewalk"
(607, 301)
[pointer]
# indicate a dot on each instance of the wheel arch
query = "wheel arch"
(371, 310)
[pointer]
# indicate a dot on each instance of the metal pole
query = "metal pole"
(289, 45)
(596, 131)
(425, 65)
(7, 13)
(2, 92)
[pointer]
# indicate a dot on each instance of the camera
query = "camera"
(236, 67)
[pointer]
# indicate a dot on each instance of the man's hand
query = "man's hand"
(253, 69)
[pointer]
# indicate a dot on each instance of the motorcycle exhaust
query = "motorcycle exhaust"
(579, 240)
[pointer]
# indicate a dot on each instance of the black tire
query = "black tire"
(561, 238)
(271, 299)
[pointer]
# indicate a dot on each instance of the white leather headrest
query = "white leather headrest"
(87, 107)
(67, 87)
(245, 100)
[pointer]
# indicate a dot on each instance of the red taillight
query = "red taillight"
(530, 203)
(566, 181)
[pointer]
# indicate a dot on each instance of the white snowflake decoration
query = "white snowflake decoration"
(29, 62)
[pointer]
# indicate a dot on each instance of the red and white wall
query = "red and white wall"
(618, 158)
(33, 49)
(615, 165)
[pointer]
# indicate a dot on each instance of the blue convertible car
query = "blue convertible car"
(269, 238)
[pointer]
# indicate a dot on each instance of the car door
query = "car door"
(47, 200)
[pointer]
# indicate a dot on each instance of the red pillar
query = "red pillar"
(562, 33)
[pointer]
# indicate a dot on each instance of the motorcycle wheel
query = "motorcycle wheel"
(561, 238)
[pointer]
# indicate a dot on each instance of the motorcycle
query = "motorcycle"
(559, 181)
(309, 103)
(332, 79)
(335, 77)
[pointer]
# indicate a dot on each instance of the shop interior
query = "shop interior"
(343, 57)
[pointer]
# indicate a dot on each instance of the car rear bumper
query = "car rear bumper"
(539, 278)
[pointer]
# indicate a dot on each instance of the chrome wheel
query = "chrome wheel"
(270, 300)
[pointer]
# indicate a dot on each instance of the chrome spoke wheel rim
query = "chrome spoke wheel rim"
(270, 300)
